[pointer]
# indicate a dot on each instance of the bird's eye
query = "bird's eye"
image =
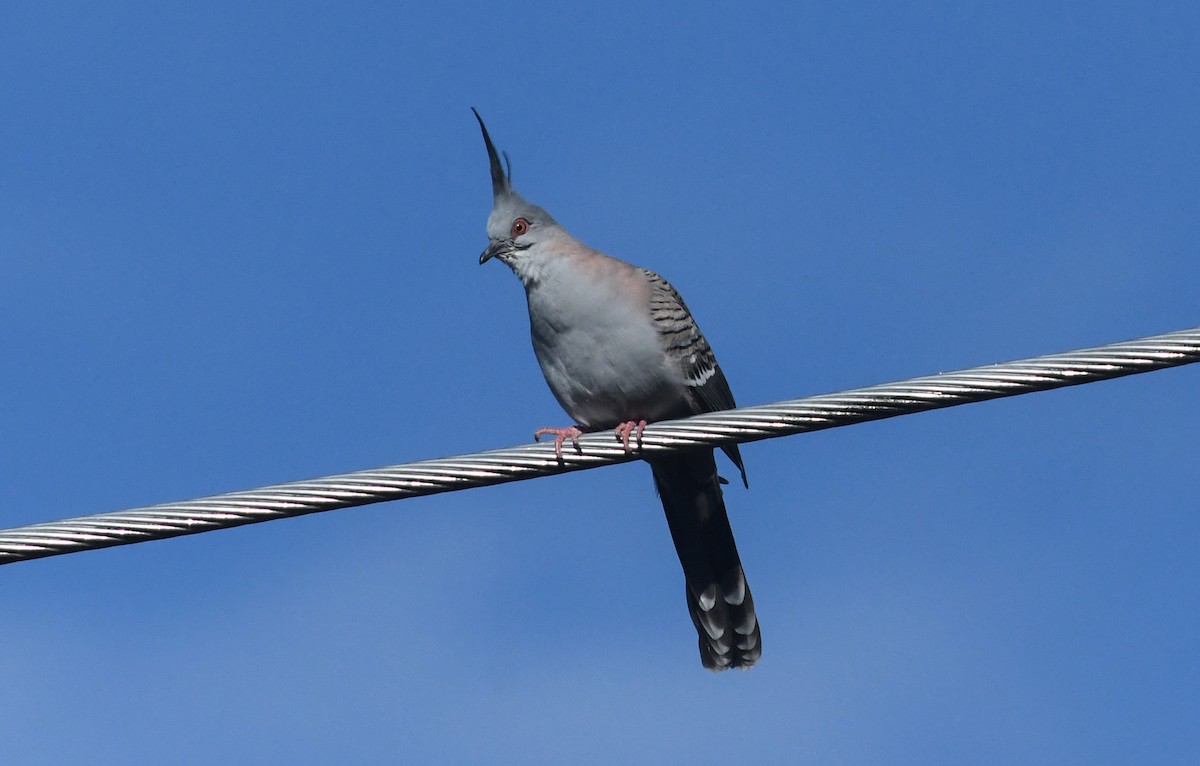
(519, 227)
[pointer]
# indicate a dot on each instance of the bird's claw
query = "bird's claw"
(560, 435)
(624, 430)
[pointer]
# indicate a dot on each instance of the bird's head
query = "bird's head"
(516, 226)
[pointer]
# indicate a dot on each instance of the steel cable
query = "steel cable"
(481, 469)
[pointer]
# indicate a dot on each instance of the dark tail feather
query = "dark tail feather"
(717, 594)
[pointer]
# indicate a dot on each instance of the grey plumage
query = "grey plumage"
(618, 346)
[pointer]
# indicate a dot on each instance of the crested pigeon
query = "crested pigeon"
(618, 348)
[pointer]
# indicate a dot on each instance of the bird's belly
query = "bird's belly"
(603, 375)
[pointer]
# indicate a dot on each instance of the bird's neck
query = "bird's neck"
(550, 262)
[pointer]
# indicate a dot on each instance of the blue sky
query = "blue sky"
(239, 246)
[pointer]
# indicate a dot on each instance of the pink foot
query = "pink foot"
(560, 436)
(628, 427)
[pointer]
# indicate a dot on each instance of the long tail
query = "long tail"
(717, 594)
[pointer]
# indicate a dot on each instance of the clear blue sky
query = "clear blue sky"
(238, 246)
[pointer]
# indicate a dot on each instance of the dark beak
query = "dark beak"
(491, 252)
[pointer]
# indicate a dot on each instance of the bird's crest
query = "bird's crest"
(501, 181)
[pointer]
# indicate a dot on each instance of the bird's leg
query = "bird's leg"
(560, 436)
(628, 427)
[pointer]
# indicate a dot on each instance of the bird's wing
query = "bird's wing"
(707, 390)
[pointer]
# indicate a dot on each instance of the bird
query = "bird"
(619, 349)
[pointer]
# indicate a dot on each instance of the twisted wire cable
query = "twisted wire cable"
(481, 469)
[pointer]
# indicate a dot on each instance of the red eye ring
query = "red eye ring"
(519, 227)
